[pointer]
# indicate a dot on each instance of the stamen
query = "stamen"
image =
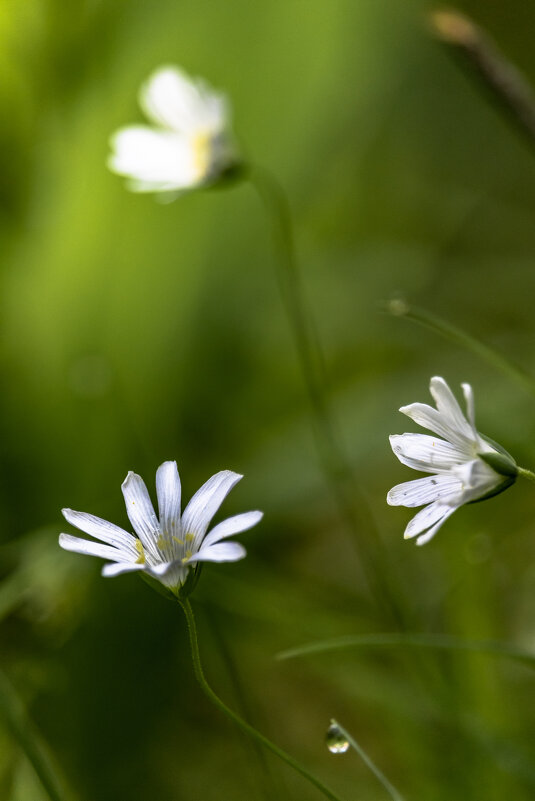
(163, 543)
(141, 558)
(201, 147)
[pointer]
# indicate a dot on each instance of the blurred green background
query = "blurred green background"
(135, 332)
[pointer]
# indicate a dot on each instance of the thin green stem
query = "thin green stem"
(391, 790)
(350, 501)
(400, 308)
(441, 642)
(242, 724)
(30, 741)
(529, 474)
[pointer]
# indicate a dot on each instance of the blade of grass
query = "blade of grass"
(400, 308)
(379, 775)
(30, 741)
(441, 642)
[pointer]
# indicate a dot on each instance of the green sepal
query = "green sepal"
(179, 592)
(501, 463)
(231, 174)
(497, 447)
(158, 586)
(191, 581)
(496, 491)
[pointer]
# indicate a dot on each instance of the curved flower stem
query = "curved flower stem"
(529, 474)
(351, 502)
(242, 724)
(30, 742)
(369, 763)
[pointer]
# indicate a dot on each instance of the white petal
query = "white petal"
(425, 453)
(101, 529)
(427, 517)
(168, 492)
(205, 503)
(430, 418)
(430, 533)
(120, 567)
(424, 490)
(448, 406)
(220, 552)
(231, 526)
(470, 406)
(172, 99)
(171, 574)
(141, 512)
(78, 545)
(154, 158)
(162, 568)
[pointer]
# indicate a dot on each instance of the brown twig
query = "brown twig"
(507, 85)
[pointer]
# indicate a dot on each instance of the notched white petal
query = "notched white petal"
(430, 533)
(153, 158)
(100, 529)
(79, 545)
(448, 406)
(426, 453)
(168, 493)
(200, 510)
(116, 569)
(470, 407)
(141, 512)
(426, 518)
(231, 526)
(220, 552)
(424, 490)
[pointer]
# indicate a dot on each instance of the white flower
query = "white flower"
(169, 547)
(190, 143)
(464, 465)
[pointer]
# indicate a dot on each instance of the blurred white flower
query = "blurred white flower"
(169, 547)
(189, 143)
(464, 465)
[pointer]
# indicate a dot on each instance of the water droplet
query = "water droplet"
(336, 741)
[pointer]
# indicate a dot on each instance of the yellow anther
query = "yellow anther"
(188, 556)
(201, 147)
(190, 537)
(180, 542)
(163, 543)
(141, 558)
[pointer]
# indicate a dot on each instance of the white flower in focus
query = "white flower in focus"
(464, 465)
(169, 547)
(189, 143)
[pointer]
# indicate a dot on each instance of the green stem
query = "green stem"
(400, 308)
(242, 724)
(529, 474)
(30, 742)
(368, 762)
(350, 501)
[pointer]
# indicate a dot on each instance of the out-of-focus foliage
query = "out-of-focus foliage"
(134, 332)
